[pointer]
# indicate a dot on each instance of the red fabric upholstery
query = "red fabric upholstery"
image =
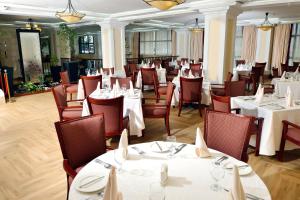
(72, 88)
(133, 68)
(221, 103)
(127, 71)
(190, 92)
(219, 89)
(71, 113)
(123, 82)
(196, 69)
(65, 80)
(235, 88)
(90, 84)
(70, 178)
(147, 76)
(228, 133)
(113, 113)
(161, 110)
(64, 76)
(158, 88)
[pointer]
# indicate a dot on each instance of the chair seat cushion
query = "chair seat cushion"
(152, 111)
(294, 135)
(72, 88)
(71, 113)
(76, 170)
(162, 90)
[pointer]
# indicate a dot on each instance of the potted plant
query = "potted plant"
(55, 68)
(68, 35)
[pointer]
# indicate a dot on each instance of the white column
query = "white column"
(113, 44)
(219, 40)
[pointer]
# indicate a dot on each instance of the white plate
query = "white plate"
(92, 187)
(164, 147)
(243, 171)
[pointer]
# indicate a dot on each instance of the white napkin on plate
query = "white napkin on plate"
(259, 95)
(123, 145)
(191, 74)
(237, 191)
(201, 147)
(289, 97)
(283, 76)
(131, 90)
(111, 189)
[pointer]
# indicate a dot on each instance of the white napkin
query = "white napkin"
(297, 71)
(142, 62)
(259, 95)
(237, 191)
(276, 89)
(164, 174)
(110, 72)
(118, 88)
(131, 90)
(97, 91)
(152, 66)
(179, 73)
(101, 71)
(191, 74)
(123, 145)
(258, 90)
(160, 66)
(283, 76)
(89, 74)
(111, 189)
(235, 76)
(203, 75)
(181, 63)
(113, 93)
(201, 147)
(289, 97)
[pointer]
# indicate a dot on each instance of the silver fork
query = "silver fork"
(141, 152)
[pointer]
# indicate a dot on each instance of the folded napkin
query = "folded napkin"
(89, 74)
(259, 95)
(179, 73)
(283, 76)
(201, 148)
(164, 174)
(237, 191)
(97, 91)
(97, 73)
(235, 76)
(152, 66)
(289, 97)
(118, 88)
(203, 75)
(113, 93)
(258, 90)
(111, 189)
(131, 90)
(142, 62)
(101, 71)
(123, 145)
(110, 72)
(191, 74)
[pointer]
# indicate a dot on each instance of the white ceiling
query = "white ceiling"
(132, 11)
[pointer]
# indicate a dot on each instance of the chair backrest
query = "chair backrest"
(191, 89)
(239, 62)
(221, 103)
(229, 77)
(60, 98)
(275, 72)
(133, 67)
(64, 76)
(108, 70)
(90, 84)
(127, 70)
(235, 88)
(258, 64)
(113, 113)
(169, 95)
(196, 69)
(228, 133)
(123, 82)
(81, 140)
(147, 76)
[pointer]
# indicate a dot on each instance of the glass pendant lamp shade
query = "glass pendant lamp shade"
(164, 4)
(70, 15)
(266, 25)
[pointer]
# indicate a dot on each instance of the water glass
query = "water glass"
(156, 192)
(217, 172)
(172, 141)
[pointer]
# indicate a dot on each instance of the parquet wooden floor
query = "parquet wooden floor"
(31, 161)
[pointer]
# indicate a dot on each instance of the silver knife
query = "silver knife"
(179, 148)
(159, 146)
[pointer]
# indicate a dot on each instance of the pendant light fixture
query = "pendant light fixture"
(196, 28)
(32, 26)
(266, 25)
(164, 4)
(70, 15)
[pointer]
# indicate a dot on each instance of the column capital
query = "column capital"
(229, 8)
(113, 23)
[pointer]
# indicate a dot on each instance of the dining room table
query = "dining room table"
(281, 86)
(243, 69)
(273, 109)
(206, 87)
(188, 177)
(132, 107)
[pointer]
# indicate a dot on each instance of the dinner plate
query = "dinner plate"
(243, 171)
(163, 145)
(91, 182)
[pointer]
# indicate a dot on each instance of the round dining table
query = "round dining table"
(189, 177)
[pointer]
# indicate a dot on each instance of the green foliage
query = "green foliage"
(30, 87)
(53, 60)
(67, 34)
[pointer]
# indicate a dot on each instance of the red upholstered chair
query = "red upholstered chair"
(123, 82)
(290, 132)
(275, 72)
(219, 89)
(127, 71)
(133, 68)
(65, 80)
(108, 70)
(115, 122)
(190, 92)
(81, 140)
(159, 89)
(196, 69)
(228, 133)
(223, 104)
(147, 77)
(161, 109)
(235, 88)
(239, 62)
(65, 112)
(90, 84)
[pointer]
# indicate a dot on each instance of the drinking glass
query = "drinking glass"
(172, 140)
(156, 192)
(217, 172)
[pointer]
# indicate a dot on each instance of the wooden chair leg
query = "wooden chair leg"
(168, 125)
(179, 107)
(257, 144)
(68, 185)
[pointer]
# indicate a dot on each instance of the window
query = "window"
(86, 44)
(294, 54)
(156, 43)
(238, 42)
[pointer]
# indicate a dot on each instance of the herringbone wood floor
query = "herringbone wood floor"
(31, 161)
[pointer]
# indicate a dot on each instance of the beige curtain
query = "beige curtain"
(249, 44)
(135, 45)
(196, 45)
(174, 44)
(280, 45)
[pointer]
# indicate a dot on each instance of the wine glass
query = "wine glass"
(172, 140)
(217, 172)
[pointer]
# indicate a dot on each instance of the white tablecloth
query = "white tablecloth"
(161, 73)
(273, 116)
(2, 97)
(132, 107)
(205, 92)
(243, 69)
(189, 177)
(282, 86)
